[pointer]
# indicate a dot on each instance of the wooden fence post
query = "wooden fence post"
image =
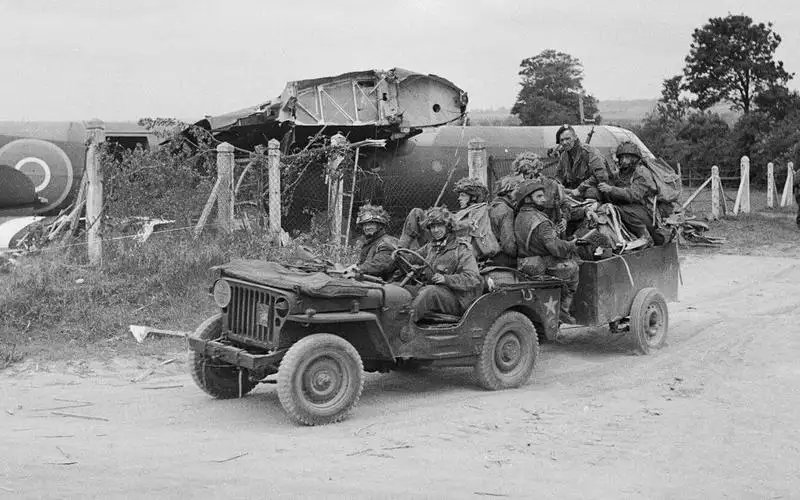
(477, 161)
(770, 185)
(94, 192)
(335, 180)
(225, 195)
(743, 195)
(788, 187)
(274, 165)
(715, 193)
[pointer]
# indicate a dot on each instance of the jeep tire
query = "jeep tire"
(320, 379)
(508, 353)
(649, 320)
(218, 378)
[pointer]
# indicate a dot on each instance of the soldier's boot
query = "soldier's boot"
(564, 315)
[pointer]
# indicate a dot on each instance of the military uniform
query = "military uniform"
(632, 193)
(414, 234)
(376, 255)
(540, 251)
(501, 216)
(583, 167)
(452, 258)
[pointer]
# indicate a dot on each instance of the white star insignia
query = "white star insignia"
(550, 305)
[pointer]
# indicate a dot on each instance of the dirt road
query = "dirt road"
(712, 415)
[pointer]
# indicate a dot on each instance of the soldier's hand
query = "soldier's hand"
(574, 192)
(562, 225)
(437, 279)
(604, 187)
(582, 243)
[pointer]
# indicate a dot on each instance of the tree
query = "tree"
(733, 59)
(551, 83)
(672, 106)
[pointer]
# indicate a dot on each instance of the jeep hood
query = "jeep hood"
(276, 275)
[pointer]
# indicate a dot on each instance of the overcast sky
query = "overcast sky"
(122, 60)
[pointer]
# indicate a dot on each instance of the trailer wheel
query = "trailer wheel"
(649, 320)
(508, 353)
(217, 378)
(320, 379)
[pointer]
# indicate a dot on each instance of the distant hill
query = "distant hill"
(614, 112)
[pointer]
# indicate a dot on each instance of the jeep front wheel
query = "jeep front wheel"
(320, 379)
(508, 353)
(217, 378)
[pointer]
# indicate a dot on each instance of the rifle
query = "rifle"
(589, 136)
(446, 182)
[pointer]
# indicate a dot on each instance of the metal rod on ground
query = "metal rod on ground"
(274, 165)
(352, 197)
(715, 192)
(94, 192)
(788, 186)
(225, 194)
(694, 195)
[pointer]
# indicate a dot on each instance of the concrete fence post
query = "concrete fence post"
(274, 166)
(335, 180)
(225, 195)
(715, 192)
(94, 192)
(743, 195)
(770, 185)
(788, 186)
(477, 160)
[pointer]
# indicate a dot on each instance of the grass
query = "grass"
(56, 306)
(764, 231)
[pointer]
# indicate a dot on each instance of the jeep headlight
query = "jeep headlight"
(222, 293)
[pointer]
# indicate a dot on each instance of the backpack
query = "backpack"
(474, 222)
(667, 181)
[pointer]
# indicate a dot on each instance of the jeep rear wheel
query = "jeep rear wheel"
(217, 378)
(320, 379)
(649, 320)
(508, 353)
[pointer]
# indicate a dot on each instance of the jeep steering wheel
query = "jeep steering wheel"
(411, 270)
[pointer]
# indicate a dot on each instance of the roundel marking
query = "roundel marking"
(46, 164)
(45, 175)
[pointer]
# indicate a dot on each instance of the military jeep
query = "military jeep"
(319, 332)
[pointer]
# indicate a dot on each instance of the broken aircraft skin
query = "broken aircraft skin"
(51, 155)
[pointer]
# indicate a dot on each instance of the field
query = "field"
(87, 412)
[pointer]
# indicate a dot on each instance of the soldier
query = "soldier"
(530, 166)
(501, 215)
(581, 167)
(472, 220)
(456, 279)
(539, 250)
(632, 192)
(377, 246)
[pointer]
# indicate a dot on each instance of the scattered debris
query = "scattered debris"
(231, 458)
(75, 415)
(151, 371)
(141, 332)
(157, 387)
(58, 436)
(488, 494)
(79, 404)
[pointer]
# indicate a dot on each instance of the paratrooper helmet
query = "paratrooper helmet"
(527, 162)
(473, 187)
(372, 213)
(507, 184)
(438, 215)
(628, 148)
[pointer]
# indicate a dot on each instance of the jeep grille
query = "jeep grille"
(251, 313)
